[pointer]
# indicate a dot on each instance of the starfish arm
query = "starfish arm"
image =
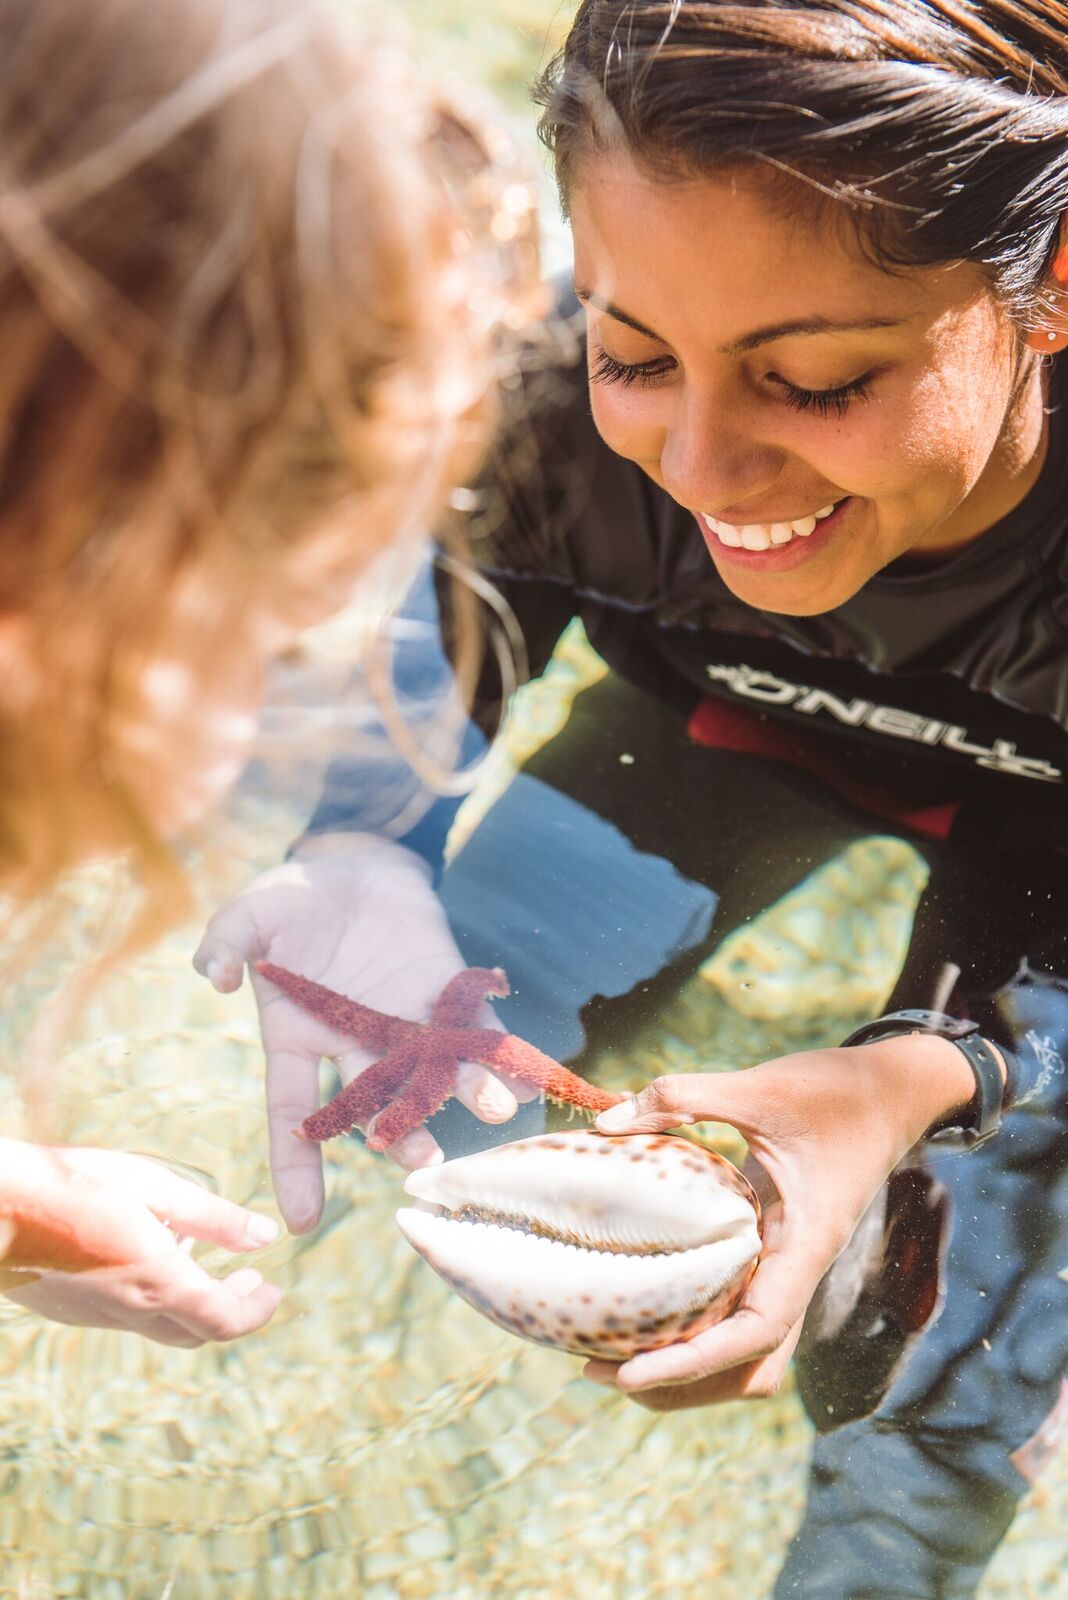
(506, 1052)
(461, 1000)
(364, 1097)
(417, 1070)
(373, 1029)
(425, 1092)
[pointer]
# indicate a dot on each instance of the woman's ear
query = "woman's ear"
(1053, 334)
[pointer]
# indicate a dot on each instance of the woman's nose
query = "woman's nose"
(710, 460)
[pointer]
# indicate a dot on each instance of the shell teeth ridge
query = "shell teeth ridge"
(743, 1245)
(506, 1268)
(607, 1234)
(499, 1233)
(523, 1181)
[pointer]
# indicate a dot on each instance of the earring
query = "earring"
(1047, 341)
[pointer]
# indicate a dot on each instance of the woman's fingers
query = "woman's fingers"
(756, 1380)
(679, 1100)
(171, 1300)
(765, 1328)
(199, 1330)
(748, 1339)
(118, 1208)
(775, 1102)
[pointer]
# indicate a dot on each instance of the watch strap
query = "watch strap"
(982, 1116)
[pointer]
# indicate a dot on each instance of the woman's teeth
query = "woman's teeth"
(762, 535)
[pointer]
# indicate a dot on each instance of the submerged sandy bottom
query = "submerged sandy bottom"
(379, 1438)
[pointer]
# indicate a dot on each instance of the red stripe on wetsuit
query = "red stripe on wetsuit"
(728, 727)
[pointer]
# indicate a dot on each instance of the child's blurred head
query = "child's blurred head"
(247, 298)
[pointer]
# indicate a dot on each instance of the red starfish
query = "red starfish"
(416, 1071)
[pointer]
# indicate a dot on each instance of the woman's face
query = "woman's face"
(765, 374)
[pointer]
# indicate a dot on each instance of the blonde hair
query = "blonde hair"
(241, 350)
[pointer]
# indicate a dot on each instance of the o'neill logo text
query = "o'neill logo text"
(1050, 1064)
(769, 690)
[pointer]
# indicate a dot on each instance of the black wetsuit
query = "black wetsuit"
(756, 747)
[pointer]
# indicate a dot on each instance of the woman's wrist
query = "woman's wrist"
(925, 1075)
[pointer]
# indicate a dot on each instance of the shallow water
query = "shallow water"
(380, 1438)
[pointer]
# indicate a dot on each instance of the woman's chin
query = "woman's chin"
(793, 594)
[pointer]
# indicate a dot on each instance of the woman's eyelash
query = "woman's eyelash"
(606, 369)
(827, 402)
(822, 402)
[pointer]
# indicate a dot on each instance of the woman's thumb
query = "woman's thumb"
(660, 1105)
(675, 1102)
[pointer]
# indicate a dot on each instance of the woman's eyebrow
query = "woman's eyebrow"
(610, 310)
(805, 325)
(749, 341)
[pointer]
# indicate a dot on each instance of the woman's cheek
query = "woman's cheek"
(954, 410)
(627, 423)
(899, 442)
(933, 449)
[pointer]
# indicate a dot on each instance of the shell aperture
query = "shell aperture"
(597, 1244)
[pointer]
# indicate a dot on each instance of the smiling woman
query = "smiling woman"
(819, 422)
(878, 384)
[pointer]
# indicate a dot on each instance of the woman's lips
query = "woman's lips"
(777, 557)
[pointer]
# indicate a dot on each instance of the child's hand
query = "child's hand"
(358, 914)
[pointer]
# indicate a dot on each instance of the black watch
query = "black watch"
(982, 1115)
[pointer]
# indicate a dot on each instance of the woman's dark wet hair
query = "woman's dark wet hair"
(938, 127)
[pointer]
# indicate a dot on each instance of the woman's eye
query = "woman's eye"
(606, 369)
(826, 402)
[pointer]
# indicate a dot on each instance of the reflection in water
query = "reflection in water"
(379, 1437)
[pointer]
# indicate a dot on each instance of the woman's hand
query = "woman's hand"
(101, 1239)
(825, 1130)
(358, 914)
